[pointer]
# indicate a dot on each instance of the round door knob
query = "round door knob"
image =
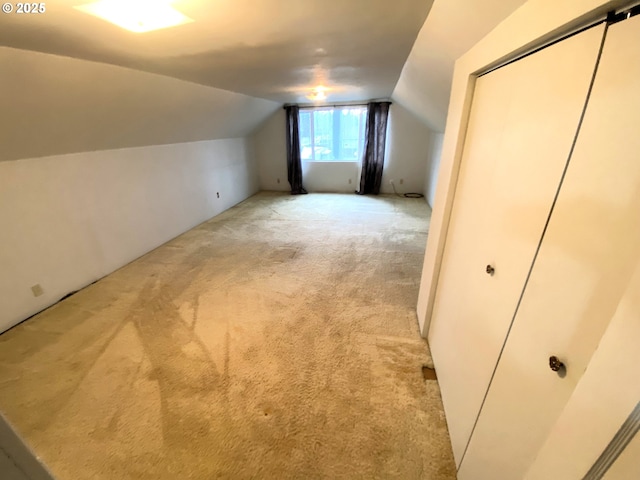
(555, 364)
(490, 270)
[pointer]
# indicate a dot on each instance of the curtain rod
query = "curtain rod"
(333, 105)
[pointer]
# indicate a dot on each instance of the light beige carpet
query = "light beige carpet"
(276, 341)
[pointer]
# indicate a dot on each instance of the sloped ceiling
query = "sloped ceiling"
(452, 28)
(71, 82)
(54, 105)
(273, 49)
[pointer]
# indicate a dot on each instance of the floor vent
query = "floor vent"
(429, 373)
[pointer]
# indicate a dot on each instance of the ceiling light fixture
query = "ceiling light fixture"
(137, 15)
(318, 94)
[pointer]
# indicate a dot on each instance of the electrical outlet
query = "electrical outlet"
(349, 181)
(37, 290)
(278, 181)
(401, 181)
(218, 194)
(391, 182)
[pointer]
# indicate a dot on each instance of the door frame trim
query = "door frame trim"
(619, 442)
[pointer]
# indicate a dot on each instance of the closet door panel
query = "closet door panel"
(523, 120)
(460, 286)
(585, 263)
(603, 400)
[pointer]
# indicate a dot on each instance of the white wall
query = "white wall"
(100, 163)
(406, 158)
(407, 152)
(269, 147)
(68, 220)
(331, 176)
(433, 168)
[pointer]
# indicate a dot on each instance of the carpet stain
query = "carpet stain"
(276, 340)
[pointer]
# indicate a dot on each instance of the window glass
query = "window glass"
(332, 134)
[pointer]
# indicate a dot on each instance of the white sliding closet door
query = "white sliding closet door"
(584, 268)
(602, 402)
(523, 121)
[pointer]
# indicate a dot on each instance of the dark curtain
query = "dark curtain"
(374, 143)
(294, 164)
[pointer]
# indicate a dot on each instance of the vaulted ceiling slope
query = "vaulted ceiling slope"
(72, 82)
(452, 28)
(55, 105)
(273, 49)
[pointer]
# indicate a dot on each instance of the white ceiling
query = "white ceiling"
(273, 49)
(56, 105)
(107, 88)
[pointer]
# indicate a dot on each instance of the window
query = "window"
(332, 134)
